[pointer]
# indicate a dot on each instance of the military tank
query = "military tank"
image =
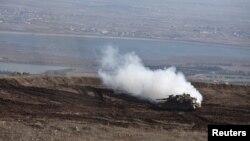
(178, 102)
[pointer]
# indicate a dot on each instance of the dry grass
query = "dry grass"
(49, 82)
(60, 108)
(58, 130)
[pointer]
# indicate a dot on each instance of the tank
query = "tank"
(178, 102)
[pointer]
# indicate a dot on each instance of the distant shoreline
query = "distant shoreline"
(121, 38)
(77, 35)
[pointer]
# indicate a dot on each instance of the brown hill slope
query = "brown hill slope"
(79, 108)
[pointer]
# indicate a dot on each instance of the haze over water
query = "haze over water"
(87, 48)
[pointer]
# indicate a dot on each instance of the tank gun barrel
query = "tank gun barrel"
(162, 99)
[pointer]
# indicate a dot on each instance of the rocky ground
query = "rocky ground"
(81, 108)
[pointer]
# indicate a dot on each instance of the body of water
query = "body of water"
(89, 48)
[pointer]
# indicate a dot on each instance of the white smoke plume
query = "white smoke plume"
(127, 72)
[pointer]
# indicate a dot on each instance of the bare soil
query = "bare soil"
(81, 108)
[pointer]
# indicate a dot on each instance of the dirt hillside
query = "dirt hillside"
(81, 108)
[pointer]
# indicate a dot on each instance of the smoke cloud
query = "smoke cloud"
(127, 72)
